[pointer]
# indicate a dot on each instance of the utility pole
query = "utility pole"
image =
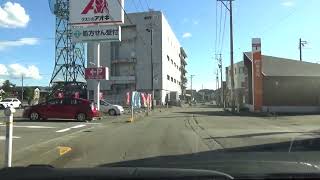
(221, 81)
(301, 44)
(217, 79)
(202, 93)
(150, 29)
(231, 52)
(22, 89)
(152, 72)
(191, 77)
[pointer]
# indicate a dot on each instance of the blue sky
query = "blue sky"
(280, 24)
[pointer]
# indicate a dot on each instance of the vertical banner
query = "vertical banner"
(257, 78)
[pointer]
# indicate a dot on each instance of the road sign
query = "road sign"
(101, 73)
(93, 12)
(96, 33)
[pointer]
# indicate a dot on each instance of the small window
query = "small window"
(171, 61)
(55, 101)
(175, 81)
(168, 58)
(171, 79)
(168, 77)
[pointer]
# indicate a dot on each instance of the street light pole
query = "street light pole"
(191, 77)
(152, 71)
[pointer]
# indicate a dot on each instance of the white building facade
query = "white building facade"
(129, 61)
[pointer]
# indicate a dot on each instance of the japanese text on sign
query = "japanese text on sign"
(98, 33)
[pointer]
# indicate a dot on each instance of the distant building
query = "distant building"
(288, 85)
(240, 79)
(129, 61)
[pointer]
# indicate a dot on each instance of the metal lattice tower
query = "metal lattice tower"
(69, 57)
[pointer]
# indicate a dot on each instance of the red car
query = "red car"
(66, 108)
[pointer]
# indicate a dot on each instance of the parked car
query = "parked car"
(67, 108)
(111, 109)
(14, 102)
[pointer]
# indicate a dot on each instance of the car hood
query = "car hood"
(233, 164)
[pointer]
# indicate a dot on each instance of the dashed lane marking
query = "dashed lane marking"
(4, 138)
(73, 127)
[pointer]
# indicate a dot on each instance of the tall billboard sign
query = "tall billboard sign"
(94, 12)
(257, 78)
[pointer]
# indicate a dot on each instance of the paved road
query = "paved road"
(178, 134)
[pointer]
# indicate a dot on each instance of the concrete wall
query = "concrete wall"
(171, 59)
(239, 75)
(136, 43)
(291, 91)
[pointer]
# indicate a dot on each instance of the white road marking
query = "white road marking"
(32, 127)
(4, 138)
(63, 130)
(78, 126)
(73, 127)
(93, 123)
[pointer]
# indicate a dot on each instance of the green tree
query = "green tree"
(28, 93)
(8, 88)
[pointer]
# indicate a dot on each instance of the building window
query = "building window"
(168, 58)
(235, 70)
(168, 77)
(175, 81)
(171, 79)
(171, 61)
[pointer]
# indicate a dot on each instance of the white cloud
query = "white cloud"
(13, 15)
(17, 70)
(20, 42)
(195, 22)
(187, 35)
(287, 3)
(185, 20)
(3, 70)
(1, 81)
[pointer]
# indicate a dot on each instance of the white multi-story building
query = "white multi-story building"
(129, 61)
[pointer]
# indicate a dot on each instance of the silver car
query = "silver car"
(111, 109)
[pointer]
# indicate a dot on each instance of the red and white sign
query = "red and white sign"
(93, 12)
(101, 73)
(257, 78)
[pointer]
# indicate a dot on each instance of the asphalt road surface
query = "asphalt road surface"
(190, 134)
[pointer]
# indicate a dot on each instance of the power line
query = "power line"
(220, 26)
(141, 5)
(215, 52)
(135, 5)
(224, 29)
(130, 21)
(147, 4)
